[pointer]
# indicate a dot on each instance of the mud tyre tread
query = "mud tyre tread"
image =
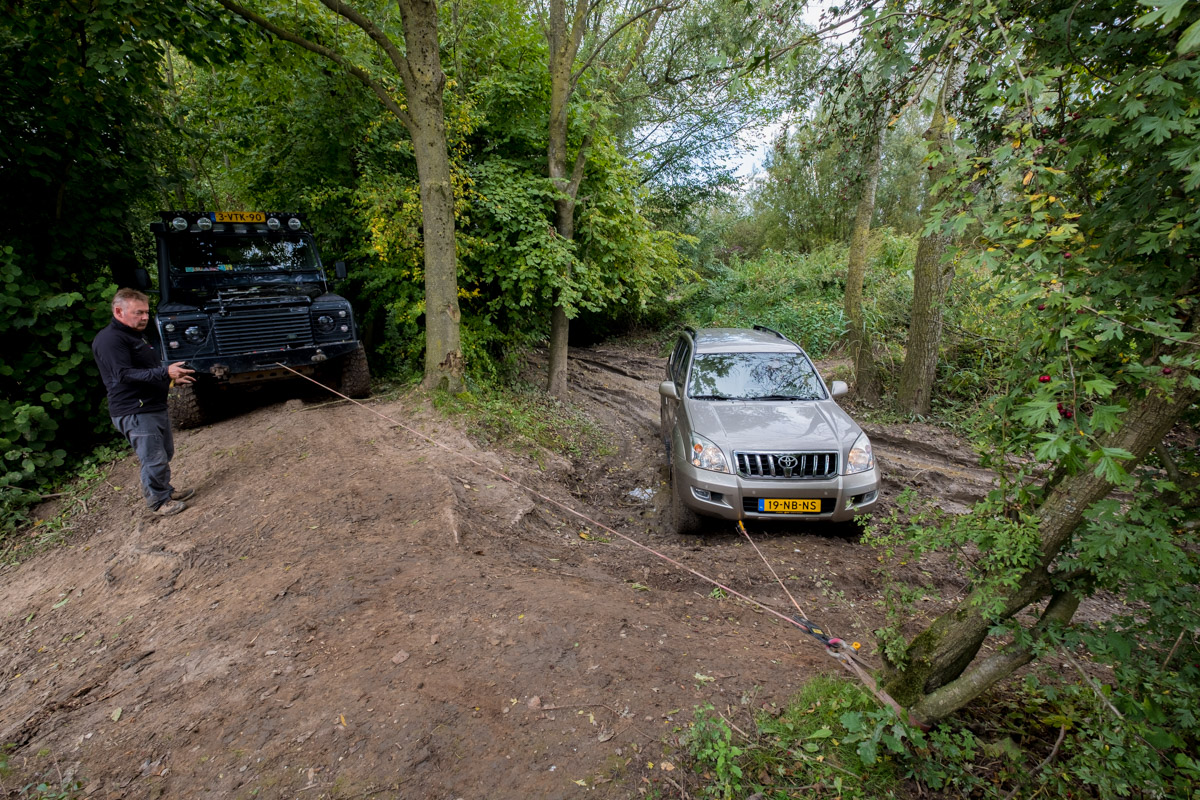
(355, 379)
(187, 407)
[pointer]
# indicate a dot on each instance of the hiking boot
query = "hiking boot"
(170, 507)
(182, 494)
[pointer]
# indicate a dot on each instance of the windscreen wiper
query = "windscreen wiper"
(783, 397)
(711, 397)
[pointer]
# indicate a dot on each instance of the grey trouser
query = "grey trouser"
(150, 435)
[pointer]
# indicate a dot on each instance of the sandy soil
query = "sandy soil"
(348, 610)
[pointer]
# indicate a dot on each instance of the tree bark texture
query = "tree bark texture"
(866, 375)
(564, 36)
(939, 676)
(424, 83)
(931, 282)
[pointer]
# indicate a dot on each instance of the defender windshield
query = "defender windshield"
(754, 376)
(274, 253)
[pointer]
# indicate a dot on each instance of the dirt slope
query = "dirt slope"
(347, 610)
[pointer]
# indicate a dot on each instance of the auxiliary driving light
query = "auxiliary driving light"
(273, 223)
(179, 224)
(294, 223)
(204, 224)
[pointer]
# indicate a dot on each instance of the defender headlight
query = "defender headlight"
(325, 323)
(194, 334)
(707, 455)
(861, 457)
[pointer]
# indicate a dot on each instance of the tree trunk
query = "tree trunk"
(939, 675)
(931, 282)
(866, 375)
(419, 66)
(423, 85)
(563, 36)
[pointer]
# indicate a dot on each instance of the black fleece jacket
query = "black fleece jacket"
(134, 376)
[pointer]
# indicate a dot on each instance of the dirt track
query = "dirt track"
(349, 611)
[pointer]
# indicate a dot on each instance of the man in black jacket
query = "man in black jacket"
(137, 385)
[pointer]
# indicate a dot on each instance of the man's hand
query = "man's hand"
(181, 374)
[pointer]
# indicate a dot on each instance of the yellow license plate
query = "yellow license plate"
(240, 216)
(776, 506)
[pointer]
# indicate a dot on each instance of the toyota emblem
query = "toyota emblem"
(788, 463)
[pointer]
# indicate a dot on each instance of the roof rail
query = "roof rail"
(765, 329)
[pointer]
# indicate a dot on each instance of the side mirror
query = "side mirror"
(339, 269)
(839, 388)
(667, 389)
(141, 279)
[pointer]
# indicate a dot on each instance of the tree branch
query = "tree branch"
(358, 72)
(599, 48)
(995, 668)
(377, 35)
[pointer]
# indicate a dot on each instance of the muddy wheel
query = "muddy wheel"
(356, 375)
(684, 521)
(187, 406)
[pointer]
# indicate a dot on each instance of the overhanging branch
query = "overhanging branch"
(358, 72)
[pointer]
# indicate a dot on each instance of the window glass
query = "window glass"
(754, 376)
(278, 252)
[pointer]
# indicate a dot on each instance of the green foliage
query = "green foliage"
(709, 742)
(83, 146)
(801, 295)
(527, 421)
(77, 481)
(833, 740)
(807, 197)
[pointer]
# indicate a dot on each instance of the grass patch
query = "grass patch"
(525, 420)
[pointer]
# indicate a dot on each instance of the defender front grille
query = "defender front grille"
(242, 331)
(787, 466)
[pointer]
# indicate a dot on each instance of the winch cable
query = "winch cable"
(833, 646)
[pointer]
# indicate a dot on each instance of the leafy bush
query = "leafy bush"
(50, 383)
(801, 296)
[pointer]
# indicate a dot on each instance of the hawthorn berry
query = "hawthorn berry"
(1166, 370)
(1041, 306)
(1044, 379)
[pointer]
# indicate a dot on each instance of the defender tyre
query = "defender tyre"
(356, 375)
(187, 406)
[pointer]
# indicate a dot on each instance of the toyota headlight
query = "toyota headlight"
(707, 455)
(861, 457)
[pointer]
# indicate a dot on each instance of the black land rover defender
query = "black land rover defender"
(242, 293)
